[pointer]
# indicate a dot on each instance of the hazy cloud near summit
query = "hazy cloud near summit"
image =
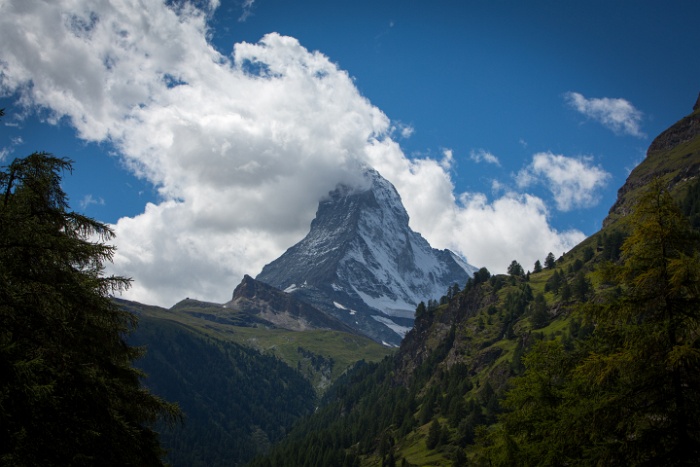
(240, 147)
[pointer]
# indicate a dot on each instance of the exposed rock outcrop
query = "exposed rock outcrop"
(673, 155)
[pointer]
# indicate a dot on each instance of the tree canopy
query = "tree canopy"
(550, 261)
(68, 392)
(515, 269)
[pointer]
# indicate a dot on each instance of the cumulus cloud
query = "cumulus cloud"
(240, 147)
(574, 182)
(512, 227)
(619, 115)
(482, 155)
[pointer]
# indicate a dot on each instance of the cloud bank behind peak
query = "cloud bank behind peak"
(241, 148)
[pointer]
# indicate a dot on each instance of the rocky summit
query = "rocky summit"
(362, 263)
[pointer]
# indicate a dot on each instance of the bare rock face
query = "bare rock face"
(684, 130)
(270, 305)
(672, 154)
(362, 263)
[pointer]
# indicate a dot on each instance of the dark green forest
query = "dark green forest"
(235, 401)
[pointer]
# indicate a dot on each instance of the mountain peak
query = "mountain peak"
(361, 262)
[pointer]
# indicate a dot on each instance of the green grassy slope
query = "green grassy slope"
(320, 356)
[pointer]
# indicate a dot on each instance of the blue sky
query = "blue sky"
(206, 132)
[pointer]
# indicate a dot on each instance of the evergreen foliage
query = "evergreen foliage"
(235, 401)
(540, 315)
(648, 364)
(538, 267)
(480, 276)
(68, 392)
(629, 393)
(434, 434)
(515, 269)
(691, 205)
(554, 283)
(550, 262)
(612, 245)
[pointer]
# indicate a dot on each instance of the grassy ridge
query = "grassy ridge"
(321, 356)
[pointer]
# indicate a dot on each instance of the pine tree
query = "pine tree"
(434, 434)
(565, 291)
(540, 313)
(538, 267)
(554, 282)
(537, 410)
(645, 367)
(550, 261)
(581, 287)
(68, 392)
(515, 269)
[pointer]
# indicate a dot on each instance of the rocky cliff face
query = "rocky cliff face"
(270, 305)
(673, 155)
(362, 263)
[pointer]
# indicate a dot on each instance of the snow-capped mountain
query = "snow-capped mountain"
(362, 263)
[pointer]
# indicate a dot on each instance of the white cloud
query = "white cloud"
(497, 186)
(241, 148)
(89, 199)
(7, 151)
(405, 131)
(512, 227)
(247, 7)
(482, 155)
(447, 159)
(574, 182)
(619, 115)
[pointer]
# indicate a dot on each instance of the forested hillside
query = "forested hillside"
(592, 358)
(236, 402)
(240, 381)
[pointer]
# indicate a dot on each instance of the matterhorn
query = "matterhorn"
(362, 263)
